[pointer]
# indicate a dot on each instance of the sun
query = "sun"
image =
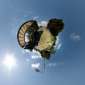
(9, 61)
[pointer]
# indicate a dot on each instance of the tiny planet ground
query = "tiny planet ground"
(41, 38)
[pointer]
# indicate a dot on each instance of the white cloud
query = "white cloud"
(35, 65)
(33, 54)
(24, 51)
(58, 43)
(59, 46)
(42, 23)
(36, 55)
(75, 36)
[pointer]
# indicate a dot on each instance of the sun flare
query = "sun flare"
(9, 61)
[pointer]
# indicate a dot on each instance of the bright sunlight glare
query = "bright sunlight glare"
(9, 61)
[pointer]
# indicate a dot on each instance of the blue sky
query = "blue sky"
(70, 59)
